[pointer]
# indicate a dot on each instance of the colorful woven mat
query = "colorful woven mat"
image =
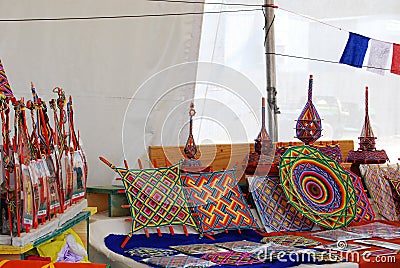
(376, 229)
(339, 235)
(145, 252)
(231, 258)
(291, 240)
(178, 261)
(318, 187)
(198, 248)
(240, 246)
(274, 209)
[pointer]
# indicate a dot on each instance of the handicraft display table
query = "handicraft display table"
(79, 223)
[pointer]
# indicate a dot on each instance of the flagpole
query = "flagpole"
(271, 70)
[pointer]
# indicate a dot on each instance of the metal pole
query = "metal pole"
(271, 70)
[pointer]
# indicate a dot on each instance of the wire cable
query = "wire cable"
(130, 16)
(206, 3)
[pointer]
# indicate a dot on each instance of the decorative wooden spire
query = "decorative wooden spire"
(190, 149)
(367, 138)
(308, 126)
(263, 143)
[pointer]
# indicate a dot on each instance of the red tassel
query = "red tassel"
(140, 163)
(239, 231)
(126, 164)
(159, 232)
(185, 230)
(146, 232)
(171, 230)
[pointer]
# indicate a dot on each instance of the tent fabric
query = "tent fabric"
(102, 63)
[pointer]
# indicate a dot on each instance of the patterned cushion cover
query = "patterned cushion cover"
(274, 210)
(156, 197)
(364, 211)
(381, 181)
(217, 202)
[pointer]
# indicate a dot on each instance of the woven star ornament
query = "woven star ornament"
(318, 187)
(155, 197)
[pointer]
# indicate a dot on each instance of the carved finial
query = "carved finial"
(191, 148)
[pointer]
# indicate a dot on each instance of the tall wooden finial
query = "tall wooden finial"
(367, 138)
(190, 149)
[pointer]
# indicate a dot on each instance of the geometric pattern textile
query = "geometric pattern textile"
(178, 261)
(217, 202)
(378, 156)
(392, 174)
(364, 208)
(144, 252)
(386, 199)
(155, 196)
(198, 248)
(339, 235)
(376, 229)
(318, 187)
(331, 150)
(5, 88)
(240, 246)
(274, 209)
(291, 240)
(232, 258)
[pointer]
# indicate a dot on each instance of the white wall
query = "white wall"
(102, 64)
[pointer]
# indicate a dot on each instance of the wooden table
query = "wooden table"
(79, 223)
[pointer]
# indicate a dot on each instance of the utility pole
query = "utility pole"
(271, 69)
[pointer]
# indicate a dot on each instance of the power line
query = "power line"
(129, 16)
(208, 3)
